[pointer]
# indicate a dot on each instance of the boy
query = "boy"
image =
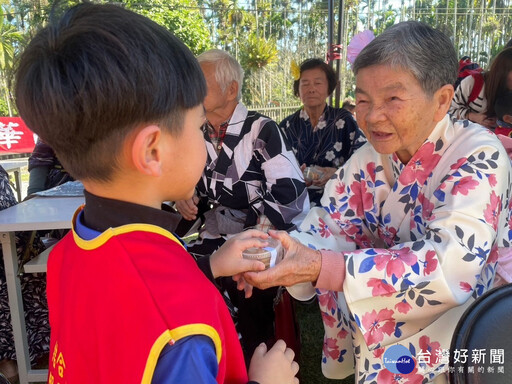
(119, 99)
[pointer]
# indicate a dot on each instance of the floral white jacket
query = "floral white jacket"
(420, 244)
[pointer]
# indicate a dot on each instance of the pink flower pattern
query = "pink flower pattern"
(370, 168)
(466, 287)
(416, 253)
(430, 262)
(492, 180)
(464, 185)
(492, 210)
(427, 207)
(324, 229)
(394, 261)
(403, 306)
(331, 348)
(361, 200)
(380, 287)
(387, 377)
(432, 347)
(420, 165)
(377, 325)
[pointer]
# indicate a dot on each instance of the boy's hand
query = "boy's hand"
(273, 366)
(228, 260)
(187, 208)
(299, 265)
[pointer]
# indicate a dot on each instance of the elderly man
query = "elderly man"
(410, 227)
(251, 179)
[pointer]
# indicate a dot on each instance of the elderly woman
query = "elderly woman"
(410, 226)
(320, 135)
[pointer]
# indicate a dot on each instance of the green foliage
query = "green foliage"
(266, 35)
(4, 109)
(182, 17)
(258, 52)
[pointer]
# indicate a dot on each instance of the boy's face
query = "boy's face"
(186, 156)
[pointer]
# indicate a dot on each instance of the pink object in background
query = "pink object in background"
(358, 42)
(507, 144)
(504, 269)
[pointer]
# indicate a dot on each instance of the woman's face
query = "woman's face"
(313, 88)
(393, 111)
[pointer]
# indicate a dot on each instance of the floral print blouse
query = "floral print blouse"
(420, 243)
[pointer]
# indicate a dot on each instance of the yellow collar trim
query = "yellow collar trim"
(111, 232)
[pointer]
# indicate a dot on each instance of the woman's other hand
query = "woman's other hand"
(327, 173)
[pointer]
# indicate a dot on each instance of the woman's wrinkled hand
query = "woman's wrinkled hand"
(300, 264)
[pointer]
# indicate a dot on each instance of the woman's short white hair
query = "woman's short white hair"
(410, 45)
(227, 69)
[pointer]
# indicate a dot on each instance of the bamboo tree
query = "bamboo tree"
(9, 40)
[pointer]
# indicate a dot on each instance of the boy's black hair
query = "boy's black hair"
(84, 82)
(317, 63)
(503, 105)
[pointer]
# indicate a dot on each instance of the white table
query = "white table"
(14, 166)
(38, 213)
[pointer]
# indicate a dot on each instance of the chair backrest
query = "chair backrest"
(485, 332)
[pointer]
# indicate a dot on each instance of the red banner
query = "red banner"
(15, 137)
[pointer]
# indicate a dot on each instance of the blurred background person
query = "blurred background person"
(475, 97)
(45, 169)
(320, 135)
(251, 179)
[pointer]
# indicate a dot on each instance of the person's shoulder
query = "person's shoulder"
(263, 121)
(475, 137)
(362, 156)
(290, 120)
(467, 83)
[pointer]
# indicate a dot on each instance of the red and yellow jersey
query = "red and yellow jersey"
(116, 301)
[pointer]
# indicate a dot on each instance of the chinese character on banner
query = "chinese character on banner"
(497, 356)
(15, 137)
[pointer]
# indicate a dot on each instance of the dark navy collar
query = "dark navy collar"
(101, 213)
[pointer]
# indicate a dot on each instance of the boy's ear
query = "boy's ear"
(507, 119)
(146, 151)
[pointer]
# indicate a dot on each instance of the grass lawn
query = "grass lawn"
(312, 335)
